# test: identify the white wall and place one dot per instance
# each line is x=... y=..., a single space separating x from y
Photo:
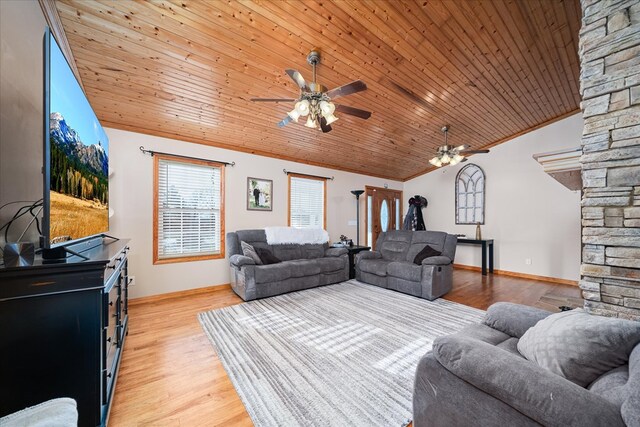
x=22 y=26
x=528 y=213
x=131 y=193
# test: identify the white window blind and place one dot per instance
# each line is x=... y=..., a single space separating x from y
x=306 y=203
x=189 y=215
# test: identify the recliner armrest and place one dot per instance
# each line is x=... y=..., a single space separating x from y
x=240 y=260
x=547 y=398
x=437 y=260
x=368 y=255
x=513 y=319
x=335 y=252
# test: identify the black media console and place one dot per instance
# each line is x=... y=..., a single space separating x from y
x=62 y=330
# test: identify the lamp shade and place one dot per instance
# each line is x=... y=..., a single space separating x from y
x=294 y=114
x=330 y=118
x=327 y=108
x=311 y=122
x=302 y=107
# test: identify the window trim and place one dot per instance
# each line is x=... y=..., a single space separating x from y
x=156 y=163
x=324 y=186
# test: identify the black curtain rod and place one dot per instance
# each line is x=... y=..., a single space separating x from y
x=152 y=153
x=286 y=172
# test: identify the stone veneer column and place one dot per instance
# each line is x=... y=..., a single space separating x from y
x=610 y=88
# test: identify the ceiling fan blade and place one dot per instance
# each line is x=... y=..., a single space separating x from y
x=324 y=126
x=285 y=121
x=348 y=89
x=353 y=111
x=297 y=77
x=412 y=96
x=273 y=99
x=474 y=151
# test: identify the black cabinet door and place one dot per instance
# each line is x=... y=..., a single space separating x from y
x=47 y=344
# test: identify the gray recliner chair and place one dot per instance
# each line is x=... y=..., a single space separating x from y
x=391 y=264
x=478 y=377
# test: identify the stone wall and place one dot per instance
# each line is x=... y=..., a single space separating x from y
x=610 y=88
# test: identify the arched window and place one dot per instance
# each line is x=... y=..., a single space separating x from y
x=470 y=195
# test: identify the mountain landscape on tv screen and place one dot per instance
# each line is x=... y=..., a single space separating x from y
x=79 y=183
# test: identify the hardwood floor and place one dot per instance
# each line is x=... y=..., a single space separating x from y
x=170 y=375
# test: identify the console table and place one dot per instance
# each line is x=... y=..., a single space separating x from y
x=63 y=329
x=353 y=250
x=485 y=244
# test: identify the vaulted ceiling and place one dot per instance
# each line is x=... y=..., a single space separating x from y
x=186 y=69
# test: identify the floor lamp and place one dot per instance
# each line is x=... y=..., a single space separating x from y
x=357 y=193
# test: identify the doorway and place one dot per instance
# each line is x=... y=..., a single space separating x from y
x=383 y=212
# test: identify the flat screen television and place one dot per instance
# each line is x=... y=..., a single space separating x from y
x=76 y=157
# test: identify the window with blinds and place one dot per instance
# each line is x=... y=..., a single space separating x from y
x=188 y=211
x=306 y=202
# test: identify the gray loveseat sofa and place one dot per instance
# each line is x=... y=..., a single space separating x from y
x=391 y=264
x=478 y=377
x=302 y=267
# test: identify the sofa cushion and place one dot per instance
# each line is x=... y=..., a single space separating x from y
x=419 y=239
x=580 y=346
x=405 y=270
x=374 y=266
x=612 y=385
x=287 y=252
x=272 y=273
x=312 y=251
x=267 y=257
x=394 y=245
x=330 y=264
x=250 y=252
x=303 y=267
x=426 y=252
x=510 y=345
x=252 y=236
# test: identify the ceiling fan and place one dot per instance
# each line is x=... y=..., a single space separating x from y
x=315 y=101
x=448 y=154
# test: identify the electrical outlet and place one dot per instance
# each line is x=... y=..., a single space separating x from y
x=527 y=261
x=132 y=280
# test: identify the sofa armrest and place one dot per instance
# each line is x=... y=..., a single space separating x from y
x=240 y=260
x=335 y=252
x=513 y=319
x=437 y=260
x=368 y=255
x=547 y=398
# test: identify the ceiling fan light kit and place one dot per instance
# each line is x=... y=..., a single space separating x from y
x=448 y=155
x=315 y=102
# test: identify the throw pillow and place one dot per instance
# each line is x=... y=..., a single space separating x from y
x=267 y=257
x=248 y=250
x=426 y=252
x=580 y=346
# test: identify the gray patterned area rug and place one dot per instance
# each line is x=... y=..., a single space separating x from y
x=339 y=355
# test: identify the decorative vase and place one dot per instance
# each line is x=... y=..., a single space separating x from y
x=478 y=232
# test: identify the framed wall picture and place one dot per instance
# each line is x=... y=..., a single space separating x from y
x=259 y=194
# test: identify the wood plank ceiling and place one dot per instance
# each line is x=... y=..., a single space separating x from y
x=185 y=69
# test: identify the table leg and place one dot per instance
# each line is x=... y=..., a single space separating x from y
x=491 y=258
x=484 y=258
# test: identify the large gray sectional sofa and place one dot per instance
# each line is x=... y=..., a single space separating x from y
x=478 y=377
x=391 y=264
x=303 y=266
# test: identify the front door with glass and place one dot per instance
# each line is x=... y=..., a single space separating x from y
x=382 y=212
